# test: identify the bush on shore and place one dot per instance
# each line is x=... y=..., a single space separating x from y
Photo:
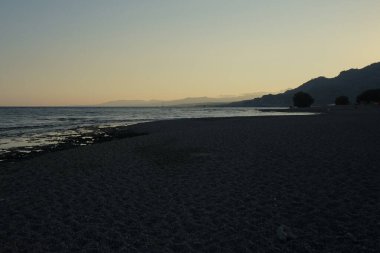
x=302 y=99
x=369 y=97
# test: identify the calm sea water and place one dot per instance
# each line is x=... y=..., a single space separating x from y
x=31 y=127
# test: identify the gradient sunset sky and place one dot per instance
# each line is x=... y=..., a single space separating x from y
x=77 y=52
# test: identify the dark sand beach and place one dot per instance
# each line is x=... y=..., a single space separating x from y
x=254 y=184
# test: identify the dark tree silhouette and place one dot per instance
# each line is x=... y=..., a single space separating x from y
x=369 y=97
x=342 y=100
x=302 y=99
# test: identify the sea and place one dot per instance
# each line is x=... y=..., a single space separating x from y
x=23 y=128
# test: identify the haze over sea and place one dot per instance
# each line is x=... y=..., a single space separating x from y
x=23 y=127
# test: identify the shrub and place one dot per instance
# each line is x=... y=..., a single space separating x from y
x=369 y=96
x=302 y=99
x=342 y=100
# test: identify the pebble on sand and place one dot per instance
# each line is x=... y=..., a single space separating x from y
x=284 y=233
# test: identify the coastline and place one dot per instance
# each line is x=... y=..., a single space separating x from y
x=99 y=135
x=67 y=138
x=281 y=184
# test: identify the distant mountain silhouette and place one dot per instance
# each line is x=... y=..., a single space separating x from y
x=324 y=90
x=191 y=101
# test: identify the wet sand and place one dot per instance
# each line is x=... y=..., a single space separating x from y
x=258 y=184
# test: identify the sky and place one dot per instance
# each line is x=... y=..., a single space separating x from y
x=84 y=52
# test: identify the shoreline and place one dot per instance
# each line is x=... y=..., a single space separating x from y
x=106 y=134
x=99 y=135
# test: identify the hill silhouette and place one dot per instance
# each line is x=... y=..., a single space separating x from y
x=324 y=90
x=190 y=101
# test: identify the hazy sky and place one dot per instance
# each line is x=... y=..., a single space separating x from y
x=57 y=52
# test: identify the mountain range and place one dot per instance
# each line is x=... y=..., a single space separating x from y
x=191 y=101
x=324 y=90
